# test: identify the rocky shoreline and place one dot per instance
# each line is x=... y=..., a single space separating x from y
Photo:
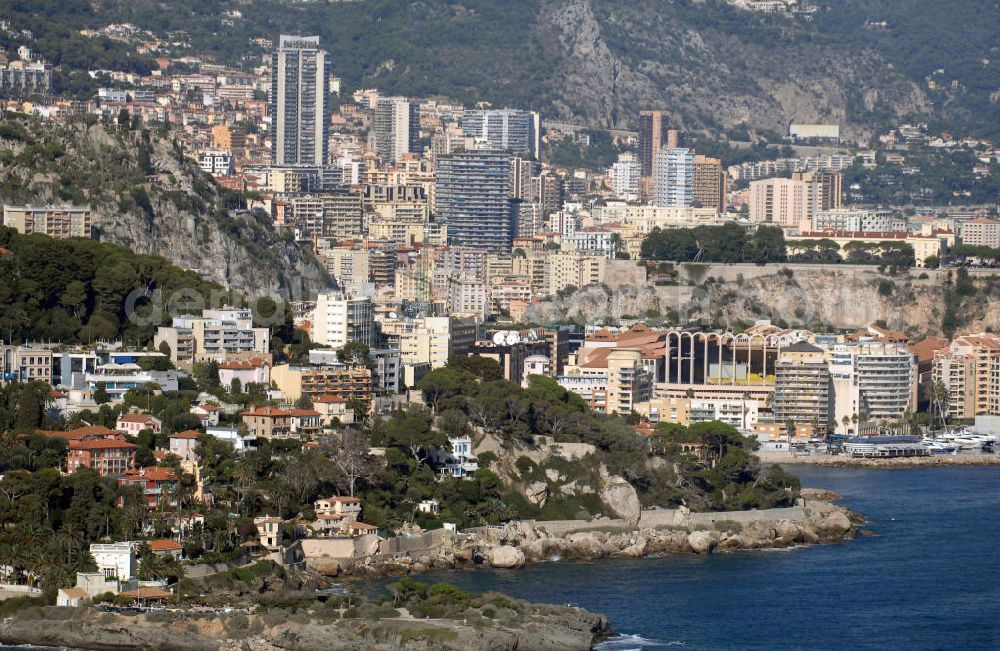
x=530 y=626
x=842 y=461
x=815 y=521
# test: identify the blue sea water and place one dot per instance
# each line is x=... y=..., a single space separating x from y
x=930 y=579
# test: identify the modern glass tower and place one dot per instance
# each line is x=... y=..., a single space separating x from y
x=473 y=197
x=300 y=108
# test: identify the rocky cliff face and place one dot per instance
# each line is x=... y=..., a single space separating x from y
x=146 y=196
x=818 y=297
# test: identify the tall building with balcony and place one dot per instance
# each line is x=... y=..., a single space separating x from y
x=970 y=371
x=981 y=231
x=473 y=197
x=58 y=222
x=300 y=106
x=397 y=128
x=216 y=335
x=802 y=387
x=781 y=202
x=628 y=381
x=673 y=183
x=516 y=131
x=625 y=177
x=873 y=379
x=653 y=130
x=339 y=319
x=711 y=183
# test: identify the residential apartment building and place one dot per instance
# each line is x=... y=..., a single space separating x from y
x=314 y=381
x=516 y=131
x=803 y=387
x=624 y=175
x=781 y=202
x=25 y=363
x=852 y=220
x=216 y=163
x=472 y=195
x=268 y=423
x=430 y=340
x=109 y=457
x=970 y=371
x=57 y=221
x=339 y=319
x=217 y=334
x=826 y=189
x=335 y=215
x=710 y=183
x=981 y=231
x=629 y=382
x=673 y=181
x=653 y=130
x=573 y=269
x=21 y=79
x=397 y=128
x=300 y=106
x=156 y=483
x=872 y=379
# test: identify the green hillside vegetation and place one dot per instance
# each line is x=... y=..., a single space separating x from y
x=78 y=290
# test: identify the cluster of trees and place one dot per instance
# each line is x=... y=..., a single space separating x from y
x=734 y=478
x=78 y=290
x=727 y=243
x=896 y=255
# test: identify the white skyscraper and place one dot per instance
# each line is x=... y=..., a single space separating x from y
x=300 y=108
x=339 y=319
x=625 y=177
x=397 y=128
x=674 y=181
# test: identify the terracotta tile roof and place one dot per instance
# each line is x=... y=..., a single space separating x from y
x=163 y=545
x=269 y=412
x=329 y=399
x=187 y=434
x=361 y=526
x=150 y=473
x=147 y=593
x=76 y=593
x=137 y=418
x=924 y=350
x=89 y=432
x=101 y=444
x=256 y=362
x=301 y=413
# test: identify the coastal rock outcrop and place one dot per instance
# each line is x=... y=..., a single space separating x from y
x=506 y=556
x=703 y=542
x=620 y=496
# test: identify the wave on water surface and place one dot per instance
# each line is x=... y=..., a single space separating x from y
x=626 y=642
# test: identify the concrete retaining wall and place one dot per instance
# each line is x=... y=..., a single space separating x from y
x=406 y=544
x=315 y=548
x=697 y=272
x=19 y=589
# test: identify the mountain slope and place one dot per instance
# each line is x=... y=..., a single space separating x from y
x=144 y=195
x=596 y=61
